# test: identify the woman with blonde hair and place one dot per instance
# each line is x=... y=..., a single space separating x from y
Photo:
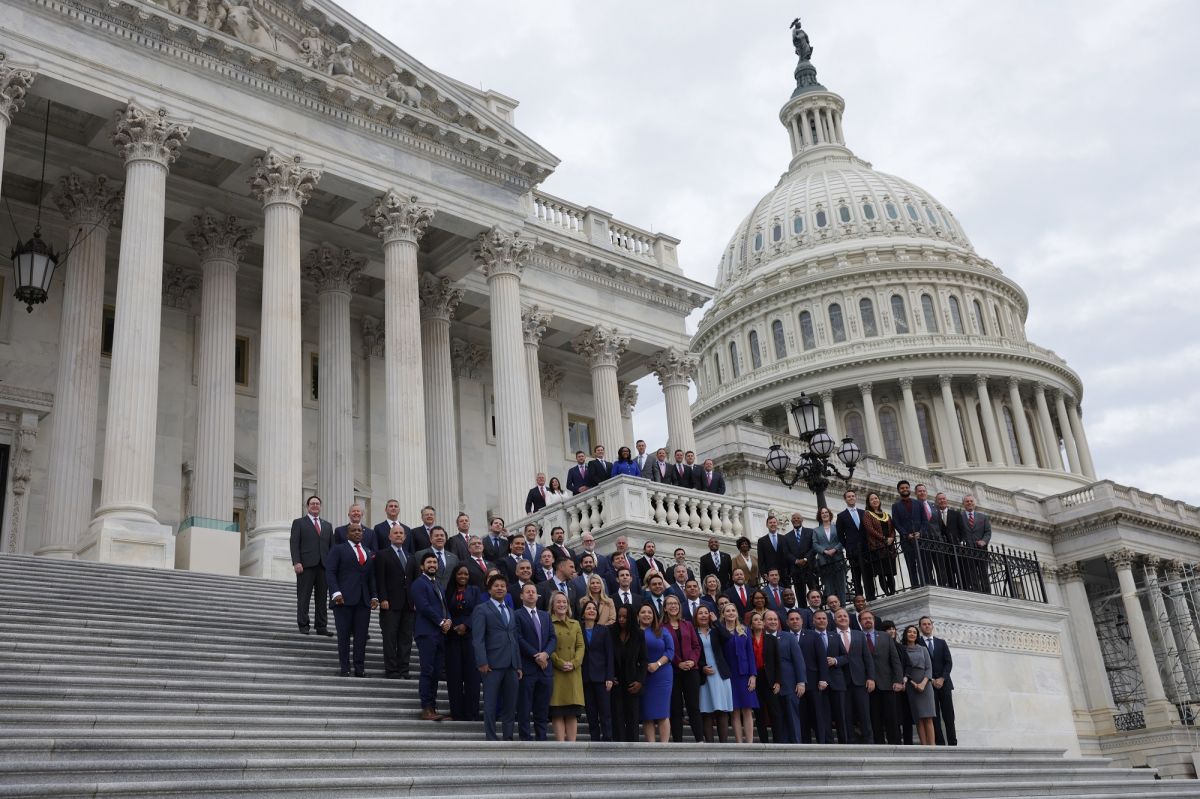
x=606 y=609
x=739 y=654
x=566 y=695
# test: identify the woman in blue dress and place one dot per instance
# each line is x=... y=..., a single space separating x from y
x=625 y=464
x=716 y=693
x=739 y=654
x=656 y=693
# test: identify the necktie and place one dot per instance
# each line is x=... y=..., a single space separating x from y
x=871 y=642
x=479 y=563
x=943 y=516
x=543 y=490
x=537 y=625
x=441 y=562
x=774 y=543
x=854 y=516
x=846 y=640
x=742 y=594
x=625 y=598
x=361 y=557
x=971 y=520
x=929 y=643
x=679 y=468
x=403 y=558
x=317 y=524
x=503 y=613
x=562 y=588
x=708 y=478
x=775 y=593
x=694 y=603
x=925 y=505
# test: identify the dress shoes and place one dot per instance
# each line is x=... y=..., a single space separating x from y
x=343 y=674
x=306 y=631
x=360 y=674
x=326 y=633
x=430 y=714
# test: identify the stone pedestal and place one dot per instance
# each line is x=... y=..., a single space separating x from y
x=208 y=545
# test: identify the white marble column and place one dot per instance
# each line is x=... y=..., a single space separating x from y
x=439 y=301
x=89 y=206
x=988 y=414
x=1081 y=442
x=1024 y=438
x=533 y=325
x=1064 y=426
x=956 y=455
x=1184 y=619
x=283 y=184
x=503 y=257
x=1049 y=440
x=1158 y=711
x=603 y=348
x=628 y=393
x=1100 y=706
x=219 y=242
x=912 y=428
x=14 y=84
x=335 y=274
x=793 y=430
x=831 y=420
x=400 y=222
x=673 y=368
x=871 y=420
x=149 y=143
x=1176 y=685
x=976 y=433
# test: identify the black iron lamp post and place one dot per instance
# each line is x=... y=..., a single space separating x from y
x=813 y=466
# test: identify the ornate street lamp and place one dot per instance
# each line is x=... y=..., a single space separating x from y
x=813 y=466
x=34 y=261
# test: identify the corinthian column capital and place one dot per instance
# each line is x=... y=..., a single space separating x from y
x=90 y=202
x=218 y=238
x=439 y=297
x=629 y=397
x=534 y=323
x=14 y=85
x=395 y=217
x=142 y=135
x=1121 y=558
x=333 y=270
x=674 y=366
x=279 y=178
x=500 y=253
x=601 y=346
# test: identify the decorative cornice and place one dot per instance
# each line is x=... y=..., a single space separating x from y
x=628 y=394
x=333 y=270
x=601 y=346
x=87 y=202
x=552 y=378
x=142 y=135
x=395 y=217
x=372 y=335
x=533 y=324
x=466 y=358
x=218 y=238
x=500 y=253
x=612 y=277
x=996 y=638
x=14 y=85
x=439 y=297
x=674 y=366
x=178 y=286
x=281 y=179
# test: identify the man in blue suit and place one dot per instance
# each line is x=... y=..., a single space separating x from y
x=350 y=572
x=498 y=658
x=537 y=640
x=432 y=624
x=577 y=477
x=851 y=678
x=383 y=530
x=598 y=469
x=793 y=677
x=354 y=516
x=908 y=516
x=815 y=645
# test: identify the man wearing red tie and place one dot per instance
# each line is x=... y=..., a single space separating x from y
x=351 y=573
x=738 y=593
x=310 y=540
x=535 y=500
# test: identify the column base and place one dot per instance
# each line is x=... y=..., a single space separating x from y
x=268 y=555
x=1160 y=713
x=208 y=545
x=56 y=553
x=111 y=539
x=1102 y=720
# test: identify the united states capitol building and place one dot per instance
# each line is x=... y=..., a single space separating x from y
x=296 y=260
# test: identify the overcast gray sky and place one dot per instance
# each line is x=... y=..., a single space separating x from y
x=1063 y=136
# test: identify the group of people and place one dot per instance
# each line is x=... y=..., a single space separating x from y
x=529 y=636
x=586 y=474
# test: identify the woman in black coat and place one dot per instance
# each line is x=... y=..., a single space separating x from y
x=462 y=677
x=599 y=672
x=629 y=668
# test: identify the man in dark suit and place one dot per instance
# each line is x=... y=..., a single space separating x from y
x=600 y=562
x=813 y=608
x=383 y=530
x=432 y=624
x=889 y=681
x=658 y=470
x=851 y=678
x=682 y=474
x=975 y=531
x=495 y=543
x=711 y=480
x=522 y=576
x=421 y=535
x=943 y=686
x=457 y=543
x=767 y=688
x=395 y=608
x=598 y=469
x=561 y=551
x=537 y=641
x=535 y=500
x=692 y=600
x=564 y=572
x=909 y=520
x=678 y=579
x=718 y=563
x=515 y=556
x=577 y=476
x=945 y=526
x=680 y=556
x=656 y=594
x=350 y=571
x=354 y=515
x=627 y=593
x=310 y=540
x=446 y=559
x=793 y=679
x=773 y=549
x=739 y=592
x=498 y=658
x=799 y=539
x=647 y=562
x=815 y=723
x=773 y=589
x=533 y=550
x=854 y=538
x=477 y=565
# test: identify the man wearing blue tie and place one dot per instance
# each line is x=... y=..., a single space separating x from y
x=537 y=641
x=432 y=624
x=849 y=528
x=533 y=550
x=498 y=657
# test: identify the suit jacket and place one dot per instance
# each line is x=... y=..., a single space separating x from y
x=514 y=590
x=548 y=587
x=494 y=552
x=749 y=566
x=534 y=500
x=654 y=602
x=429 y=601
x=643 y=567
x=800 y=542
x=598 y=665
x=494 y=641
x=508 y=566
x=774 y=557
x=533 y=553
x=981 y=530
x=732 y=594
x=666 y=477
x=807 y=613
x=457 y=544
x=577 y=479
x=940 y=658
x=391 y=579
x=418 y=539
x=821 y=542
x=344 y=574
x=908 y=521
x=686 y=643
x=598 y=471
x=815 y=666
x=443 y=574
x=340 y=536
x=714 y=486
x=853 y=536
x=561 y=552
x=636 y=600
x=670 y=575
x=629 y=656
x=792 y=670
x=602 y=564
x=951 y=531
x=723 y=570
x=529 y=642
x=770 y=668
x=309 y=549
x=854 y=665
x=676 y=590
x=683 y=475
x=889 y=669
x=771 y=603
x=478 y=575
x=383 y=531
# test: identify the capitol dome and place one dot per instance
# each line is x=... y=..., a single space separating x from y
x=862 y=289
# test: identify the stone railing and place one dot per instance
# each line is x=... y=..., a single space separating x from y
x=635 y=506
x=557 y=213
x=1107 y=495
x=631 y=239
x=596 y=227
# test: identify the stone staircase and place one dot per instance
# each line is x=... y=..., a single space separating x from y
x=137 y=682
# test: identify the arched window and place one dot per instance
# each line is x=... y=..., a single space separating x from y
x=927 y=310
x=912 y=212
x=889 y=428
x=807 y=339
x=928 y=442
x=837 y=325
x=822 y=220
x=929 y=214
x=899 y=314
x=755 y=352
x=853 y=425
x=892 y=212
x=868 y=211
x=780 y=342
x=733 y=360
x=999 y=324
x=717 y=367
x=979 y=322
x=844 y=213
x=776 y=232
x=798 y=224
x=1011 y=429
x=866 y=310
x=956 y=315
x=758 y=241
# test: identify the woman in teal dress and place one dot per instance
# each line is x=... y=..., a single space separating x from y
x=716 y=692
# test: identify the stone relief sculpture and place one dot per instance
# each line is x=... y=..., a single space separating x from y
x=245 y=23
x=402 y=93
x=313 y=51
x=341 y=64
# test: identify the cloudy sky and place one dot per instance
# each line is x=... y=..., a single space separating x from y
x=1063 y=135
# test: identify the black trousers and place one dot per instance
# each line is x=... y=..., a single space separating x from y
x=352 y=622
x=598 y=704
x=396 y=627
x=626 y=714
x=310 y=580
x=768 y=714
x=858 y=712
x=533 y=704
x=884 y=724
x=944 y=702
x=814 y=715
x=685 y=693
x=462 y=678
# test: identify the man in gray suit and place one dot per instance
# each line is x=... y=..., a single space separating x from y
x=889 y=681
x=447 y=560
x=498 y=658
x=975 y=532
